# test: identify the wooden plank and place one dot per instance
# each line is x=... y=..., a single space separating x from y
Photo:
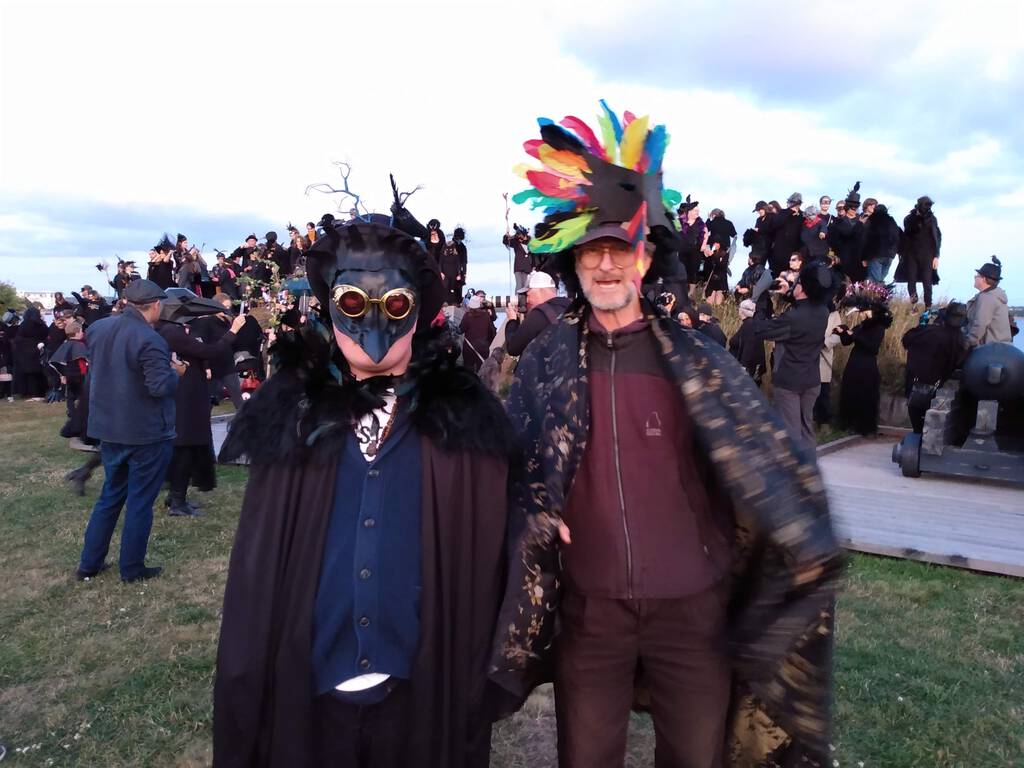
x=962 y=523
x=986 y=566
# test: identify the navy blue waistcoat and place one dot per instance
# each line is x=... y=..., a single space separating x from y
x=366 y=615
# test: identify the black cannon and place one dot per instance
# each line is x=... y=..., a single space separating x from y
x=974 y=426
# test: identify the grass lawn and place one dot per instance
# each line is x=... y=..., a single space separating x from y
x=929 y=663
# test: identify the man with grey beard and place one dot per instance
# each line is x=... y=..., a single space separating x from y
x=647 y=449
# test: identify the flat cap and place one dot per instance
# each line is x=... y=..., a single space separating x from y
x=143 y=292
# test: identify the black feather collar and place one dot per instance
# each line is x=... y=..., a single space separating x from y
x=306 y=409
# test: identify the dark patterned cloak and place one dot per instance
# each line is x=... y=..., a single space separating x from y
x=787 y=559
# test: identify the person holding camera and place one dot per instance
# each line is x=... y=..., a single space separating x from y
x=131 y=412
x=798 y=334
x=543 y=307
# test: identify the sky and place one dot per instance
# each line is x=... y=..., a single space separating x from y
x=119 y=122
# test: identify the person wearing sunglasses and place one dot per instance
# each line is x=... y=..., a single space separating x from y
x=367 y=572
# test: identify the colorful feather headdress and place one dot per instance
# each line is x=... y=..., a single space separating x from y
x=585 y=182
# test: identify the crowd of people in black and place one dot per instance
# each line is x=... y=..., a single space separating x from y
x=810 y=274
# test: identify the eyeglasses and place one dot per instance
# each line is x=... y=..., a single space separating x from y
x=354 y=302
x=591 y=256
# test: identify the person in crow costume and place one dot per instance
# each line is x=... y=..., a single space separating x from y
x=369 y=561
x=678 y=533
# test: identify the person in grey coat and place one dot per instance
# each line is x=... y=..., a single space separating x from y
x=131 y=413
x=988 y=313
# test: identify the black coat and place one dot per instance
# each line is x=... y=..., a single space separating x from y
x=250 y=337
x=25 y=346
x=801 y=331
x=921 y=241
x=478 y=333
x=860 y=391
x=211 y=329
x=522 y=261
x=263 y=698
x=846 y=237
x=713 y=331
x=6 y=335
x=192 y=399
x=784 y=230
x=161 y=273
x=882 y=236
x=933 y=352
x=748 y=350
x=55 y=336
x=923 y=234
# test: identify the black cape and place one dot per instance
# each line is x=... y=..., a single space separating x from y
x=263 y=689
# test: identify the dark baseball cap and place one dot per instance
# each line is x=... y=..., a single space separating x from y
x=143 y=292
x=617 y=231
x=760 y=204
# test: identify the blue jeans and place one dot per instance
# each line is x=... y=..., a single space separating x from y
x=879 y=268
x=134 y=473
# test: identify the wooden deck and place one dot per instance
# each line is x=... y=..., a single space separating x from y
x=967 y=524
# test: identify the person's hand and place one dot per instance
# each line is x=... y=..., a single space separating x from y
x=935 y=263
x=442 y=276
x=512 y=312
x=179 y=367
x=821 y=235
x=237 y=323
x=564 y=533
x=63 y=381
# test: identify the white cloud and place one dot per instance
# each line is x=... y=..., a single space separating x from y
x=233 y=108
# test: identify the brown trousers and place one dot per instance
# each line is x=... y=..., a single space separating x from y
x=677 y=645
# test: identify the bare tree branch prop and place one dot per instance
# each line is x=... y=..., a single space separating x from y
x=345 y=191
x=401 y=197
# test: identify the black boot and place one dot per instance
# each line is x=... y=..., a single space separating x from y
x=80 y=476
x=177 y=506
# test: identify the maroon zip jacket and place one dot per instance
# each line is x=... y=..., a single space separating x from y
x=639 y=510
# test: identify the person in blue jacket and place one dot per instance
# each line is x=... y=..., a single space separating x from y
x=131 y=413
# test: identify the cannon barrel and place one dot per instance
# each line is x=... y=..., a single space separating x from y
x=995 y=372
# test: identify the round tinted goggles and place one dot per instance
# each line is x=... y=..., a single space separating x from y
x=352 y=301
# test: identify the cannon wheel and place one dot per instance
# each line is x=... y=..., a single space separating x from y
x=909 y=452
